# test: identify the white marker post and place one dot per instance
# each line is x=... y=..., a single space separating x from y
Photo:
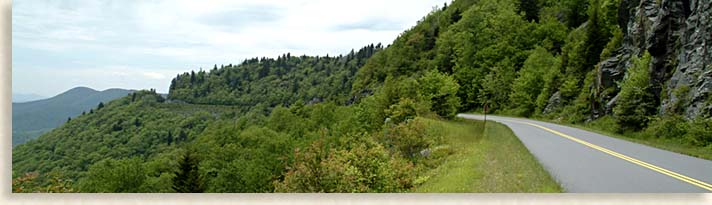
x=484 y=125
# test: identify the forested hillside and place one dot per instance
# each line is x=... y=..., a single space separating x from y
x=579 y=61
x=354 y=123
x=270 y=82
x=31 y=119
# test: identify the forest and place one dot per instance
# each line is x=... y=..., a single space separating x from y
x=356 y=122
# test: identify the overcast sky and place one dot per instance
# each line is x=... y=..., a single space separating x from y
x=58 y=45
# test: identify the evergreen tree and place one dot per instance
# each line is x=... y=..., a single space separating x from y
x=596 y=35
x=575 y=12
x=635 y=101
x=530 y=9
x=187 y=179
x=169 y=139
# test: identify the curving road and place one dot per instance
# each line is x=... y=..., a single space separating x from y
x=583 y=161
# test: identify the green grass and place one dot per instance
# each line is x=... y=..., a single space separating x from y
x=673 y=145
x=606 y=126
x=496 y=162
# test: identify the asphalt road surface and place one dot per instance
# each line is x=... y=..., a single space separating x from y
x=583 y=161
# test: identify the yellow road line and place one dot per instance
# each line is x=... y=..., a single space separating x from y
x=675 y=175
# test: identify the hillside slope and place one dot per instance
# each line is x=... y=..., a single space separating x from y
x=351 y=123
x=31 y=119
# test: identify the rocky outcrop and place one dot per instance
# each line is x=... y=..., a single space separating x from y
x=689 y=90
x=554 y=103
x=676 y=34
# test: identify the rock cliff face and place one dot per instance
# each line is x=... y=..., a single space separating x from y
x=677 y=34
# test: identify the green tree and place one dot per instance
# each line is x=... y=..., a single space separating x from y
x=635 y=100
x=114 y=176
x=528 y=85
x=187 y=178
x=497 y=85
x=575 y=12
x=441 y=90
x=530 y=8
x=597 y=34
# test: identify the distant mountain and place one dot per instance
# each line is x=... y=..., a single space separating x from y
x=24 y=97
x=32 y=119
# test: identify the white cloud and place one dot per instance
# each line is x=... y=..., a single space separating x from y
x=187 y=34
x=154 y=75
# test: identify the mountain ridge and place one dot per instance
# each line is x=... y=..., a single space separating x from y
x=31 y=119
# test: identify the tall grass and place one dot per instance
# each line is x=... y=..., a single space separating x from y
x=493 y=161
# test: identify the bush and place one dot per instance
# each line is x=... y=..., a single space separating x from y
x=666 y=127
x=700 y=132
x=404 y=110
x=363 y=166
x=410 y=137
x=605 y=123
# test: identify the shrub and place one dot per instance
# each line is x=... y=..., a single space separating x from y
x=404 y=110
x=700 y=132
x=410 y=137
x=605 y=123
x=666 y=127
x=363 y=166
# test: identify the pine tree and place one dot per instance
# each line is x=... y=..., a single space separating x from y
x=575 y=12
x=169 y=139
x=187 y=179
x=101 y=105
x=530 y=9
x=182 y=136
x=596 y=35
x=635 y=100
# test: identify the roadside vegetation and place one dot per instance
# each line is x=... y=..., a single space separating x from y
x=373 y=120
x=669 y=133
x=493 y=161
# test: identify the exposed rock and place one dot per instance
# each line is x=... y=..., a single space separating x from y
x=425 y=152
x=676 y=34
x=315 y=100
x=611 y=103
x=554 y=103
x=693 y=72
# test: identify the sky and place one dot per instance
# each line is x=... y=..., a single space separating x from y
x=143 y=44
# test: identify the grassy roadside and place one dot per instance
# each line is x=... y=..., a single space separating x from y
x=672 y=145
x=604 y=128
x=495 y=162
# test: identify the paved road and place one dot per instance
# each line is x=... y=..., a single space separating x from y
x=583 y=161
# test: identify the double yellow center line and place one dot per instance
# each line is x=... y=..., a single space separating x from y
x=675 y=175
